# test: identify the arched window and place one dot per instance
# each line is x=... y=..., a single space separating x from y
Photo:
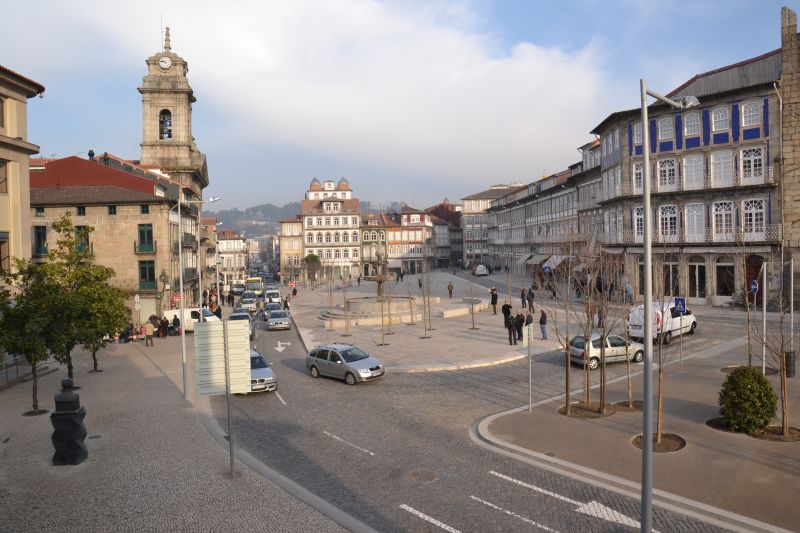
x=345 y=237
x=366 y=235
x=373 y=236
x=726 y=280
x=381 y=236
x=310 y=238
x=327 y=237
x=336 y=237
x=319 y=237
x=165 y=125
x=355 y=236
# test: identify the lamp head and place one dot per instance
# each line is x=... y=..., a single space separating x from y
x=689 y=101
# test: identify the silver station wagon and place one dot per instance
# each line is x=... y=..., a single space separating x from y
x=278 y=320
x=343 y=361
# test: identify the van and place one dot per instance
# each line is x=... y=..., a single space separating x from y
x=192 y=315
x=272 y=296
x=481 y=270
x=255 y=284
x=668 y=322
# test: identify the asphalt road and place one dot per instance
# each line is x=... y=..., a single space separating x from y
x=396 y=453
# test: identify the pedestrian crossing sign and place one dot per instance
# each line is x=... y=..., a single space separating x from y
x=680 y=305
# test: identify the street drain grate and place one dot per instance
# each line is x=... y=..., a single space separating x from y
x=95 y=436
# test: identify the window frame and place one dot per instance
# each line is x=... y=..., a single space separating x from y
x=112 y=210
x=756 y=115
x=693 y=123
x=666 y=134
x=144 y=209
x=3 y=171
x=714 y=127
x=80 y=211
x=637 y=133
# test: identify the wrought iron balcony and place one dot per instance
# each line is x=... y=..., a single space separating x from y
x=740 y=235
x=763 y=176
x=144 y=247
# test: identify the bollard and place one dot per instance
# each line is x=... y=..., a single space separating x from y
x=69 y=433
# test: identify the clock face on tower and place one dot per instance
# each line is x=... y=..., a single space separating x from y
x=164 y=62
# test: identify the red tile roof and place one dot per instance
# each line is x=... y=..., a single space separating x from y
x=34 y=87
x=349 y=207
x=73 y=171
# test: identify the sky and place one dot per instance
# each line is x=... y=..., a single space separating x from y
x=410 y=100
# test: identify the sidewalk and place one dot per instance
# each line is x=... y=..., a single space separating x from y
x=151 y=466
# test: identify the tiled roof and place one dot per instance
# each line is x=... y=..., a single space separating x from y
x=349 y=207
x=90 y=195
x=296 y=218
x=34 y=87
x=315 y=185
x=494 y=192
x=228 y=235
x=343 y=185
x=73 y=171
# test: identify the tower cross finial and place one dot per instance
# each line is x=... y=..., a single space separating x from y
x=167 y=45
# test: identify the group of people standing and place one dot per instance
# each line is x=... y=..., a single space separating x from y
x=515 y=323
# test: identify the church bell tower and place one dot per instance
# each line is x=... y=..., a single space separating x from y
x=167 y=139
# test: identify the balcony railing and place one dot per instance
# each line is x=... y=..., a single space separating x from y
x=189 y=241
x=739 y=179
x=147 y=285
x=189 y=274
x=768 y=233
x=39 y=251
x=144 y=247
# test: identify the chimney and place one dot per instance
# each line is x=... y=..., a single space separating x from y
x=91 y=155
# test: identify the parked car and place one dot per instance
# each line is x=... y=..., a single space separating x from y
x=343 y=361
x=192 y=316
x=668 y=322
x=262 y=378
x=244 y=315
x=616 y=350
x=481 y=270
x=272 y=296
x=249 y=301
x=278 y=320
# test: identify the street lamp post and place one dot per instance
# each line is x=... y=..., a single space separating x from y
x=647 y=422
x=181 y=201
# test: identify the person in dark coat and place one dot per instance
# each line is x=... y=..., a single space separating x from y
x=530 y=298
x=511 y=325
x=176 y=324
x=543 y=324
x=519 y=322
x=493 y=292
x=523 y=296
x=506 y=310
x=529 y=318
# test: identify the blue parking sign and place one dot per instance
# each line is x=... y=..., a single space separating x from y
x=680 y=305
x=754 y=286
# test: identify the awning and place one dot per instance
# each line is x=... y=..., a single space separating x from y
x=554 y=261
x=537 y=259
x=521 y=260
x=395 y=263
x=614 y=251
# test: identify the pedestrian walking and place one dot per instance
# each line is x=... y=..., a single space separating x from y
x=506 y=310
x=217 y=310
x=148 y=333
x=176 y=324
x=359 y=280
x=450 y=290
x=286 y=302
x=294 y=292
x=523 y=295
x=493 y=292
x=164 y=327
x=419 y=282
x=529 y=295
x=543 y=324
x=519 y=322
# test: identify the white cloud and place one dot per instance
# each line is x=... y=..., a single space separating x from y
x=417 y=88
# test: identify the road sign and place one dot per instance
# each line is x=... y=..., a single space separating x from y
x=680 y=305
x=754 y=286
x=291 y=284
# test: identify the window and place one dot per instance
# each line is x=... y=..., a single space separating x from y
x=693 y=172
x=381 y=236
x=414 y=219
x=145 y=243
x=671 y=285
x=615 y=136
x=667 y=179
x=165 y=125
x=355 y=236
x=309 y=221
x=355 y=253
x=638 y=221
x=327 y=221
x=752 y=164
x=723 y=221
x=345 y=237
x=695 y=222
x=751 y=114
x=691 y=124
x=39 y=240
x=3 y=172
x=82 y=235
x=147 y=275
x=726 y=280
x=319 y=222
x=754 y=218
x=335 y=221
x=354 y=221
x=81 y=210
x=665 y=129
x=346 y=253
x=5 y=252
x=310 y=238
x=373 y=236
x=112 y=210
x=327 y=237
x=328 y=253
x=637 y=133
x=366 y=235
x=144 y=209
x=668 y=222
x=40 y=211
x=637 y=177
x=722 y=168
x=336 y=237
x=720 y=119
x=337 y=254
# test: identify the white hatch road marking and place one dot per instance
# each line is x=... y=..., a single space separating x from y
x=515 y=515
x=340 y=439
x=282 y=346
x=429 y=519
x=598 y=510
x=278 y=394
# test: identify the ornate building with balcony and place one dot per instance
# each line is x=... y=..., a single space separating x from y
x=291 y=248
x=715 y=186
x=331 y=228
x=474 y=222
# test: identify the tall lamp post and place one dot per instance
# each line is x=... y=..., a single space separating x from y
x=216 y=263
x=181 y=201
x=647 y=422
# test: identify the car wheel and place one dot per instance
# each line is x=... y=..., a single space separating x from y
x=638 y=357
x=694 y=327
x=667 y=338
x=594 y=362
x=314 y=372
x=350 y=379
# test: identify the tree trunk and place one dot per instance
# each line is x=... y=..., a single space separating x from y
x=784 y=399
x=660 y=409
x=69 y=367
x=35 y=388
x=628 y=368
x=94 y=359
x=603 y=375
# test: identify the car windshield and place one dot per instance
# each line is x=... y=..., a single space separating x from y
x=257 y=361
x=253 y=285
x=278 y=314
x=353 y=354
x=577 y=342
x=273 y=307
x=239 y=317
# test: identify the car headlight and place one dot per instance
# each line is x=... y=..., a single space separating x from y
x=364 y=371
x=271 y=378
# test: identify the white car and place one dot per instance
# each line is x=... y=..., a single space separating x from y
x=667 y=322
x=249 y=301
x=481 y=270
x=616 y=349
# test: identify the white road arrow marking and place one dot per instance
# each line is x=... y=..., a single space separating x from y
x=282 y=346
x=340 y=439
x=427 y=518
x=595 y=509
x=515 y=515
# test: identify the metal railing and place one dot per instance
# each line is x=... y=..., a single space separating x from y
x=766 y=233
x=144 y=247
x=738 y=179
